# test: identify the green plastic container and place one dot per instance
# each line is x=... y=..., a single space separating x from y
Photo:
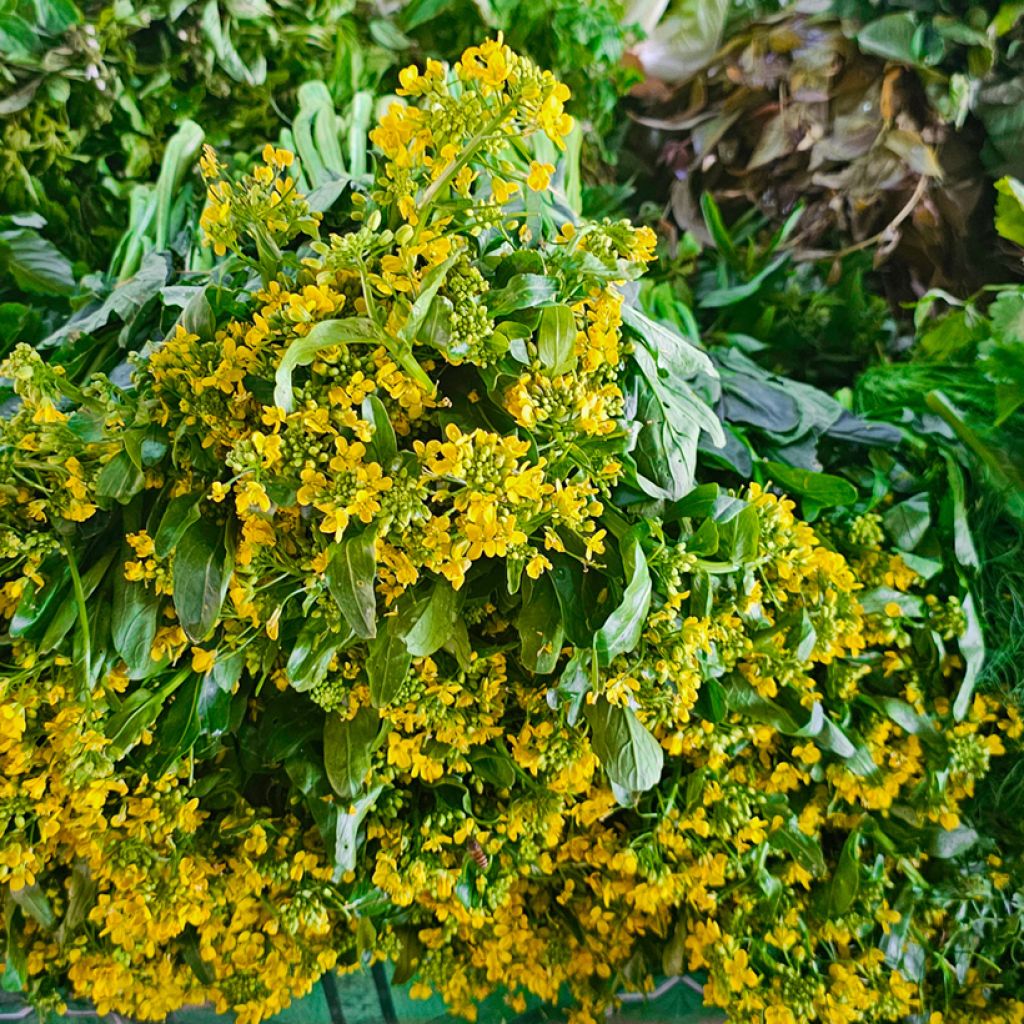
x=368 y=997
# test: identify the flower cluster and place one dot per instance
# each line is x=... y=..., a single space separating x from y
x=356 y=627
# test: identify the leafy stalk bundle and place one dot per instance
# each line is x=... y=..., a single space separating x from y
x=379 y=611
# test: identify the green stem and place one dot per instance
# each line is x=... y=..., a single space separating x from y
x=455 y=166
x=83 y=616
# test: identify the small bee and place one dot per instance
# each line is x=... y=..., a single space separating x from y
x=476 y=851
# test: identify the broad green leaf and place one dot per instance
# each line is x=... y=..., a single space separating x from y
x=198 y=317
x=524 y=291
x=540 y=626
x=1010 y=209
x=311 y=655
x=430 y=625
x=384 y=445
x=120 y=479
x=346 y=837
x=179 y=726
x=34 y=263
x=136 y=714
x=950 y=843
x=875 y=600
x=631 y=757
x=824 y=489
x=908 y=522
x=302 y=351
x=33 y=901
x=673 y=353
x=433 y=280
x=124 y=302
x=572 y=687
x=348 y=744
x=136 y=611
x=181 y=512
x=202 y=571
x=387 y=663
x=350 y=575
x=623 y=628
x=214 y=707
x=843 y=886
x=804 y=849
x=890 y=37
x=556 y=340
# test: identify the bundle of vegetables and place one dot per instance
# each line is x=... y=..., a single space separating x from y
x=797 y=109
x=91 y=94
x=378 y=612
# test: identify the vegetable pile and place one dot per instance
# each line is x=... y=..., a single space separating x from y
x=406 y=554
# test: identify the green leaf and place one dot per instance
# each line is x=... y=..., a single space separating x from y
x=384 y=445
x=311 y=655
x=963 y=542
x=631 y=757
x=66 y=612
x=843 y=886
x=202 y=571
x=716 y=228
x=213 y=707
x=120 y=479
x=136 y=612
x=719 y=297
x=824 y=489
x=972 y=647
x=950 y=843
x=743 y=535
x=556 y=340
x=80 y=902
x=179 y=727
x=350 y=575
x=387 y=663
x=908 y=522
x=673 y=354
x=348 y=744
x=136 y=714
x=1010 y=209
x=181 y=512
x=346 y=837
x=804 y=849
x=435 y=277
x=540 y=626
x=35 y=264
x=302 y=351
x=124 y=302
x=524 y=291
x=429 y=625
x=623 y=628
x=673 y=953
x=890 y=37
x=33 y=901
x=573 y=686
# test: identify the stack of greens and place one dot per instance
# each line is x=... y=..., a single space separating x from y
x=403 y=555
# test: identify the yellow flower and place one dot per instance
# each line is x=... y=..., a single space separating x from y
x=540 y=176
x=202 y=661
x=738 y=971
x=537 y=565
x=502 y=190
